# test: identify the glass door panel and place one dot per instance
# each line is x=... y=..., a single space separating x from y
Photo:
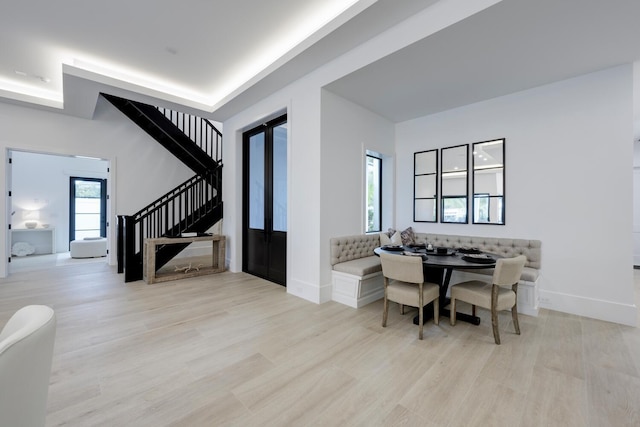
x=256 y=182
x=280 y=178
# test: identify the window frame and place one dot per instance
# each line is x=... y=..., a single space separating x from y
x=418 y=176
x=378 y=206
x=72 y=205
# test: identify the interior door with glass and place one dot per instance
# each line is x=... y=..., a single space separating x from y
x=87 y=208
x=265 y=201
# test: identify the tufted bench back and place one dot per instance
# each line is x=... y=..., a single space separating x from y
x=348 y=248
x=508 y=248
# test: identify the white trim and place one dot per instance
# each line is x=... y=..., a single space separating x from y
x=308 y=291
x=356 y=291
x=609 y=311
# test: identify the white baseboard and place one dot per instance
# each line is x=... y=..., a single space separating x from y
x=325 y=293
x=307 y=291
x=625 y=314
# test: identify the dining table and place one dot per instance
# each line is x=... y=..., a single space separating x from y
x=439 y=264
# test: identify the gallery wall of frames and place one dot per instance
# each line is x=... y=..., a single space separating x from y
x=459 y=183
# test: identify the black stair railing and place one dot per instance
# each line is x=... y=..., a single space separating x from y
x=193 y=206
x=199 y=130
x=193 y=140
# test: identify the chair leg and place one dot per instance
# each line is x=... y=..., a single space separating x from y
x=514 y=316
x=494 y=323
x=385 y=312
x=494 y=314
x=402 y=309
x=436 y=311
x=420 y=309
x=473 y=310
x=385 y=307
x=514 y=310
x=452 y=311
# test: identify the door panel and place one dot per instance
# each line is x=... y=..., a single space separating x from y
x=87 y=208
x=256 y=181
x=265 y=201
x=279 y=205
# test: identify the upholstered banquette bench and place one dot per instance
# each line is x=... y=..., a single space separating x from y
x=356 y=276
x=357 y=273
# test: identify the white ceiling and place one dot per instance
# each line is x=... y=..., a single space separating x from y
x=511 y=46
x=199 y=50
x=219 y=56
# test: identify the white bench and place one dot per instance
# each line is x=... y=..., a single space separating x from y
x=356 y=275
x=89 y=247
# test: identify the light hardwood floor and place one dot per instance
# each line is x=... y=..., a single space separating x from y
x=231 y=349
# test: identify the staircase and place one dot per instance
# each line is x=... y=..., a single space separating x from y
x=193 y=206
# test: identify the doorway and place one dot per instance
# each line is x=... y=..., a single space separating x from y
x=87 y=208
x=38 y=185
x=264 y=250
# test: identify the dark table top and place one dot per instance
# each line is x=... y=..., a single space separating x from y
x=451 y=260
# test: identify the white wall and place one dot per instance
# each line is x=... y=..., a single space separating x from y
x=141 y=169
x=301 y=102
x=569 y=179
x=555 y=190
x=327 y=140
x=636 y=163
x=348 y=130
x=42 y=181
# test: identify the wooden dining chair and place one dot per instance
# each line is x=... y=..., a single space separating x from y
x=501 y=294
x=404 y=283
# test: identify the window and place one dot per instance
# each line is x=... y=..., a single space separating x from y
x=87 y=208
x=373 y=194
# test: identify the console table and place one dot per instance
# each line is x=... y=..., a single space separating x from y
x=150 y=275
x=42 y=239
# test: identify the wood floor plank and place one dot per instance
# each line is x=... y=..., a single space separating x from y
x=561 y=349
x=605 y=347
x=504 y=408
x=234 y=350
x=612 y=395
x=441 y=388
x=555 y=399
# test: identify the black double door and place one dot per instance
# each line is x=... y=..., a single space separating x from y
x=265 y=201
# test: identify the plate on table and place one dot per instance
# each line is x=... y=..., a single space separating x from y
x=469 y=251
x=479 y=258
x=441 y=252
x=421 y=255
x=396 y=248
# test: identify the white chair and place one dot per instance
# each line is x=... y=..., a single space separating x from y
x=408 y=287
x=501 y=294
x=26 y=351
